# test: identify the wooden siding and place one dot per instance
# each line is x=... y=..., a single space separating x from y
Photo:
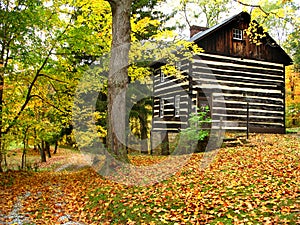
x=259 y=83
x=226 y=84
x=167 y=90
x=221 y=42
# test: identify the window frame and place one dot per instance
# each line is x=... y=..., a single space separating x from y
x=178 y=64
x=237 y=34
x=161 y=108
x=177 y=105
x=162 y=76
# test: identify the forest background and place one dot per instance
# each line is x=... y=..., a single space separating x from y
x=47 y=46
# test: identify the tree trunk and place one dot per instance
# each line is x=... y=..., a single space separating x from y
x=118 y=78
x=55 y=148
x=42 y=153
x=144 y=133
x=23 y=165
x=1 y=108
x=165 y=150
x=47 y=149
x=1 y=158
x=5 y=160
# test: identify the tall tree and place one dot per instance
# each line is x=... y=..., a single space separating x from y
x=118 y=77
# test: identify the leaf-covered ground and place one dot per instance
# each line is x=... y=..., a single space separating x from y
x=257 y=183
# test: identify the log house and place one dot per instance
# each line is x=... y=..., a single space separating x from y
x=242 y=83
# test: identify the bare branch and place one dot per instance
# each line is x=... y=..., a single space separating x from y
x=259 y=7
x=185 y=14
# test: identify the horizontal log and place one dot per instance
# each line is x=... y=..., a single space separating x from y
x=238 y=60
x=203 y=67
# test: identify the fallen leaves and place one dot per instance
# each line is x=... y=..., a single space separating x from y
x=257 y=184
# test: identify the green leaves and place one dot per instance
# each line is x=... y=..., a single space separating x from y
x=195 y=131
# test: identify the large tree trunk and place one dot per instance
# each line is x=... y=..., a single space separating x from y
x=118 y=78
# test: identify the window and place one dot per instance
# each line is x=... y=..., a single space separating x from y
x=162 y=76
x=237 y=34
x=161 y=108
x=177 y=105
x=178 y=65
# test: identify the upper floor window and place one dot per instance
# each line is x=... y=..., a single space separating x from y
x=237 y=34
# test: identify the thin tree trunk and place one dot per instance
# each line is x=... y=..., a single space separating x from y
x=1 y=158
x=118 y=78
x=165 y=150
x=144 y=134
x=23 y=165
x=42 y=153
x=1 y=109
x=43 y=145
x=25 y=146
x=3 y=154
x=55 y=148
x=5 y=160
x=47 y=149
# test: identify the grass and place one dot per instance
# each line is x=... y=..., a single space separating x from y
x=293 y=130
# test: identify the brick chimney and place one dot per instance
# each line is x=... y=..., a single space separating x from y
x=196 y=29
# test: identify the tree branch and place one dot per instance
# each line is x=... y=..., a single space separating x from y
x=28 y=96
x=185 y=14
x=37 y=74
x=52 y=78
x=47 y=102
x=259 y=7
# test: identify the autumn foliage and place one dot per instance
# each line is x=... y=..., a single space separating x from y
x=293 y=96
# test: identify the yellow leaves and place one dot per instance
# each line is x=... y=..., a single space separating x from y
x=171 y=70
x=101 y=132
x=255 y=33
x=140 y=26
x=292 y=80
x=138 y=73
x=164 y=35
x=280 y=13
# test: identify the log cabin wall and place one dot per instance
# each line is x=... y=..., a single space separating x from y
x=167 y=114
x=237 y=82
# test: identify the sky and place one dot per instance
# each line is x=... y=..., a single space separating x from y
x=169 y=6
